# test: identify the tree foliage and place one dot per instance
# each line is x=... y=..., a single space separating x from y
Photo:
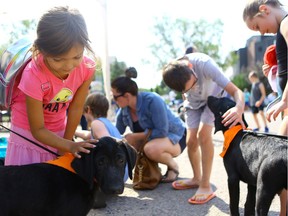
x=173 y=36
x=17 y=30
x=117 y=69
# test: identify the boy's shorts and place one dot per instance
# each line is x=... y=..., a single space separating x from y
x=255 y=109
x=194 y=117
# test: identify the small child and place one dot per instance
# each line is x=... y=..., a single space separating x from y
x=95 y=111
x=258 y=95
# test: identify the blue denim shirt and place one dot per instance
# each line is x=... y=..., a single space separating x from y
x=153 y=113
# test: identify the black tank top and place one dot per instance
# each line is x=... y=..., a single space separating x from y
x=281 y=51
x=137 y=127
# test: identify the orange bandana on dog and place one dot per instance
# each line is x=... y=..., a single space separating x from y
x=64 y=161
x=228 y=137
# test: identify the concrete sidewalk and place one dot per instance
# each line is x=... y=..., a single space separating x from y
x=164 y=200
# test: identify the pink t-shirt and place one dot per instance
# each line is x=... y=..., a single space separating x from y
x=55 y=94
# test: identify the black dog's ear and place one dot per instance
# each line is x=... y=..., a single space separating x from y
x=84 y=166
x=131 y=155
x=218 y=125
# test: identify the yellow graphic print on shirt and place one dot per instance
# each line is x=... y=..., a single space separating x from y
x=63 y=96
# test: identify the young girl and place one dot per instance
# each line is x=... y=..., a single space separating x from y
x=95 y=111
x=269 y=16
x=57 y=78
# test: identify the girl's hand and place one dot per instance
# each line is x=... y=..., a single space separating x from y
x=76 y=147
x=275 y=110
x=232 y=117
x=266 y=69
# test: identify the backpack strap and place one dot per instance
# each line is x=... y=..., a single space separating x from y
x=12 y=62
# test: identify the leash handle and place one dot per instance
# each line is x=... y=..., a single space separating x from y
x=40 y=146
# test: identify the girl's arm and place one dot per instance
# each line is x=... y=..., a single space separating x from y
x=275 y=110
x=83 y=134
x=75 y=109
x=47 y=137
x=284 y=29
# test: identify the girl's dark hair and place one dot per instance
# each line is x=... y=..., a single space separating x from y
x=124 y=84
x=59 y=30
x=98 y=103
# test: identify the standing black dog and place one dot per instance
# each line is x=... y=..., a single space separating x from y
x=260 y=160
x=48 y=190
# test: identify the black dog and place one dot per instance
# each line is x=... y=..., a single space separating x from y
x=260 y=160
x=47 y=189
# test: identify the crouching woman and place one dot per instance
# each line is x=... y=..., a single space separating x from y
x=141 y=111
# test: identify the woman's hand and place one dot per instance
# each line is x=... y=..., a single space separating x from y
x=135 y=139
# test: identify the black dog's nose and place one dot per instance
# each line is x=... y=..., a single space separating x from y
x=115 y=190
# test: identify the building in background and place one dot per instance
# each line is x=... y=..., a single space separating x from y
x=252 y=55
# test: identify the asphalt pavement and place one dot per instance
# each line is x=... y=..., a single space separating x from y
x=164 y=200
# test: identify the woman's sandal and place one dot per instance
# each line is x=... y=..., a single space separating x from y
x=165 y=177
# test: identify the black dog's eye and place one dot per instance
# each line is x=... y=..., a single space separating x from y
x=121 y=161
x=101 y=161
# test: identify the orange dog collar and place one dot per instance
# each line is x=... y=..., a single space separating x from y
x=64 y=162
x=228 y=137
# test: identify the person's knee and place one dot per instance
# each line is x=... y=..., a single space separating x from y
x=152 y=151
x=205 y=139
x=192 y=144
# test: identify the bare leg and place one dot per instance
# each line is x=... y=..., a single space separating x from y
x=207 y=149
x=256 y=120
x=194 y=158
x=163 y=151
x=263 y=117
x=283 y=203
x=194 y=154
